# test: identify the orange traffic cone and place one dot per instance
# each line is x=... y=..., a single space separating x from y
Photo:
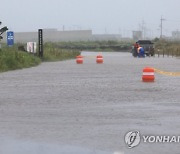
x=79 y=59
x=99 y=59
x=148 y=74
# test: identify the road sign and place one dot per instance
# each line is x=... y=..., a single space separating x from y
x=31 y=47
x=10 y=38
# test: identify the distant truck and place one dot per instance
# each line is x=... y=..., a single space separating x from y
x=148 y=48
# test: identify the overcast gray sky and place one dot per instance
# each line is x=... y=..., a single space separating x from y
x=102 y=16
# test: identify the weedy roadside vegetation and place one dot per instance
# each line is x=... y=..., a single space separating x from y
x=169 y=48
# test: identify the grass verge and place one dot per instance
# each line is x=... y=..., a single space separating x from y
x=55 y=53
x=11 y=59
x=94 y=45
x=164 y=47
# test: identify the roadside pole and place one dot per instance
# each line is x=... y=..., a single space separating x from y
x=40 y=39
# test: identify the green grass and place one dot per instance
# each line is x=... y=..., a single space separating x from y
x=54 y=53
x=11 y=59
x=94 y=45
x=167 y=48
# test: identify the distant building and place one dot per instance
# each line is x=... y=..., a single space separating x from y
x=106 y=37
x=53 y=35
x=137 y=35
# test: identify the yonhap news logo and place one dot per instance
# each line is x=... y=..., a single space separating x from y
x=134 y=138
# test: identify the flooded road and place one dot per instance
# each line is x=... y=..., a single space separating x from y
x=62 y=107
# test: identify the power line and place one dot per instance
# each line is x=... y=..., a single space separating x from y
x=172 y=20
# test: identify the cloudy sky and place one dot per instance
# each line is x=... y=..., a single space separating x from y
x=102 y=16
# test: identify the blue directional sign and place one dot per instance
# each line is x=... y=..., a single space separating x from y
x=10 y=38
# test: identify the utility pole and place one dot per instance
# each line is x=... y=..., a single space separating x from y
x=143 y=29
x=161 y=26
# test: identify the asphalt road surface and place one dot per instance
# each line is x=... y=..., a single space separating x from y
x=65 y=108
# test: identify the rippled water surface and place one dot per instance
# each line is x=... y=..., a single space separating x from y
x=62 y=107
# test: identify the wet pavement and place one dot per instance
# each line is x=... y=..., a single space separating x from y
x=62 y=107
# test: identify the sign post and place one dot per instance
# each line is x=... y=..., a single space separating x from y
x=10 y=38
x=40 y=38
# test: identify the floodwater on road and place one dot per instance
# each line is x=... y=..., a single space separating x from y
x=69 y=108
